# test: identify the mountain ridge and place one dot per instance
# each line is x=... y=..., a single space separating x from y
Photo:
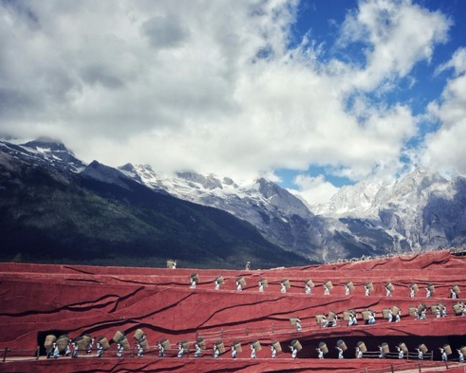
x=411 y=214
x=49 y=213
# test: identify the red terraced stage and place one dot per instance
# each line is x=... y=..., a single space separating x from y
x=39 y=300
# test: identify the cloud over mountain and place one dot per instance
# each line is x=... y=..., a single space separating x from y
x=224 y=87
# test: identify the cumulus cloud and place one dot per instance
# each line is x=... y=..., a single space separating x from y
x=396 y=34
x=444 y=149
x=211 y=86
x=314 y=190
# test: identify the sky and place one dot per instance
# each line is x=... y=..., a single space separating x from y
x=312 y=94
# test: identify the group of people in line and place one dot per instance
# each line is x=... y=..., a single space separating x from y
x=72 y=349
x=308 y=288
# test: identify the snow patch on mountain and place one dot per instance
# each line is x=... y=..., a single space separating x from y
x=54 y=151
x=105 y=174
x=401 y=208
x=366 y=198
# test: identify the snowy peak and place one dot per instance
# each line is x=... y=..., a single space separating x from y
x=45 y=152
x=46 y=143
x=225 y=193
x=199 y=181
x=54 y=151
x=417 y=182
x=105 y=174
x=358 y=198
x=281 y=198
x=366 y=198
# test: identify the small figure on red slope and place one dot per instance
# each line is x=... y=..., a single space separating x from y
x=74 y=347
x=401 y=353
x=428 y=293
x=307 y=289
x=180 y=350
x=161 y=349
x=193 y=283
x=68 y=349
x=298 y=324
x=274 y=351
x=412 y=292
x=253 y=351
x=423 y=314
x=91 y=345
x=197 y=350
x=444 y=354
x=358 y=353
x=282 y=288
x=340 y=352
x=100 y=349
x=381 y=353
x=390 y=315
x=56 y=351
x=294 y=352
x=443 y=310
x=320 y=353
x=216 y=352
x=140 y=350
x=352 y=319
x=120 y=350
x=233 y=352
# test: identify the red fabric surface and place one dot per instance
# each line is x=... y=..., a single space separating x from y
x=37 y=299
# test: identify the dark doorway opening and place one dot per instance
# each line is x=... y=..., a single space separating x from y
x=41 y=338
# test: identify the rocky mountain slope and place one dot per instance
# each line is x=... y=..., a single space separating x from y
x=421 y=210
x=54 y=208
x=279 y=215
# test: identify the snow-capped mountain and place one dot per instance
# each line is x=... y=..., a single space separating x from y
x=46 y=152
x=280 y=216
x=419 y=211
x=211 y=190
x=409 y=209
x=370 y=217
x=351 y=200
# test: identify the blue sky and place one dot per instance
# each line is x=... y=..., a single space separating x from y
x=311 y=94
x=323 y=18
x=425 y=84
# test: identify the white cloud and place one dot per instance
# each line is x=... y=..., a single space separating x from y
x=314 y=190
x=397 y=35
x=444 y=150
x=212 y=88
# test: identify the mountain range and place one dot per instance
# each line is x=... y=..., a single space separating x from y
x=420 y=211
x=56 y=209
